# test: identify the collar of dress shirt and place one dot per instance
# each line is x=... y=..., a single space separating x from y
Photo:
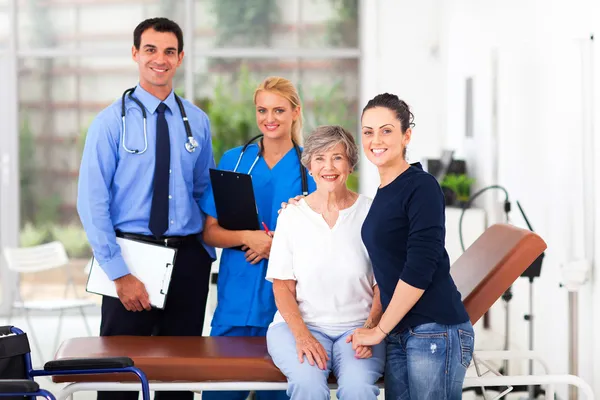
x=151 y=102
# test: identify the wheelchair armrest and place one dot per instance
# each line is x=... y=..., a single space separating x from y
x=5 y=330
x=18 y=386
x=70 y=364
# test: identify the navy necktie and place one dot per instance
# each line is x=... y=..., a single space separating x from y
x=159 y=214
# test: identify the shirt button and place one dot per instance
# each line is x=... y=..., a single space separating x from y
x=172 y=222
x=170 y=197
x=169 y=171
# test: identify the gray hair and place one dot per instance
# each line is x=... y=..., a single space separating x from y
x=327 y=137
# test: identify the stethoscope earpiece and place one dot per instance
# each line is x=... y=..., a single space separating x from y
x=190 y=145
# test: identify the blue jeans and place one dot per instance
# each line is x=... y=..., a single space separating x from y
x=428 y=362
x=219 y=330
x=356 y=377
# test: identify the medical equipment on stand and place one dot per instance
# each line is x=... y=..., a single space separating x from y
x=533 y=271
x=190 y=145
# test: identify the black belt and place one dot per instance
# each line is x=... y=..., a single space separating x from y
x=168 y=241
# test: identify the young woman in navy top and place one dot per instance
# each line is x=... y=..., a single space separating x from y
x=426 y=328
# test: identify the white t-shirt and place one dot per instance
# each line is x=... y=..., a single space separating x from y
x=331 y=267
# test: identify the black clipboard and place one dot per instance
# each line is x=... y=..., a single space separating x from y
x=234 y=200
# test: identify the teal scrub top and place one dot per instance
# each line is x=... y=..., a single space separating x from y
x=245 y=297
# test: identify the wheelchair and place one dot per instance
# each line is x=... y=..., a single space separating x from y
x=17 y=373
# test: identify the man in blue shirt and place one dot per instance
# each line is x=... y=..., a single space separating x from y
x=142 y=178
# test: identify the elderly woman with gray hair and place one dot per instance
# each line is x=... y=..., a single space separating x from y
x=323 y=280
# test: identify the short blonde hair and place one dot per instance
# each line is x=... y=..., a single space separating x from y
x=287 y=90
x=325 y=138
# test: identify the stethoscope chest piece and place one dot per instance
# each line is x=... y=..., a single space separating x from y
x=191 y=145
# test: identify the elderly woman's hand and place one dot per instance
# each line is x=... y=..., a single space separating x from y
x=294 y=201
x=315 y=352
x=363 y=352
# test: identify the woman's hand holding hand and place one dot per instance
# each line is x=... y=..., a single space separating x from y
x=365 y=337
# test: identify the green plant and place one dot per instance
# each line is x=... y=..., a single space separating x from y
x=27 y=158
x=48 y=210
x=80 y=140
x=244 y=23
x=353 y=181
x=231 y=112
x=460 y=184
x=74 y=239
x=35 y=209
x=31 y=235
x=329 y=107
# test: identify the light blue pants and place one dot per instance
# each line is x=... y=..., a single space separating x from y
x=356 y=377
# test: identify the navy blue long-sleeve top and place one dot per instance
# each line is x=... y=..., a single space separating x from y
x=404 y=234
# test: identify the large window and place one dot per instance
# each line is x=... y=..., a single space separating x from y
x=58 y=98
x=104 y=24
x=217 y=23
x=281 y=24
x=4 y=25
x=74 y=60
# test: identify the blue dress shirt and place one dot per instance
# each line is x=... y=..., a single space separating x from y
x=115 y=186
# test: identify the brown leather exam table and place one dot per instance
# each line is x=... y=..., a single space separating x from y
x=485 y=271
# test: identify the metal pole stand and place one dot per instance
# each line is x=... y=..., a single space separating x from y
x=574 y=275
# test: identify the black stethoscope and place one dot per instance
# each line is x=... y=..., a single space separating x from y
x=191 y=145
x=260 y=149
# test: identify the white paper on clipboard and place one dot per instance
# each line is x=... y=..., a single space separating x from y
x=150 y=263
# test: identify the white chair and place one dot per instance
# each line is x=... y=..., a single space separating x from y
x=43 y=258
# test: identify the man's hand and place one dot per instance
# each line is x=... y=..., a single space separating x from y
x=294 y=201
x=132 y=293
x=257 y=246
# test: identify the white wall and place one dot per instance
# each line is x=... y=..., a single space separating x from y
x=539 y=145
x=402 y=54
x=529 y=124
